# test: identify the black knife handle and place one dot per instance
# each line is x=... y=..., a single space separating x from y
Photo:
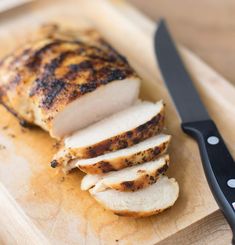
x=218 y=165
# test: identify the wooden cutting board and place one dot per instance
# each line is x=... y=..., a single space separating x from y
x=39 y=205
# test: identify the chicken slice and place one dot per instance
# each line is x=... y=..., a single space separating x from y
x=89 y=181
x=128 y=179
x=144 y=151
x=118 y=131
x=65 y=81
x=145 y=202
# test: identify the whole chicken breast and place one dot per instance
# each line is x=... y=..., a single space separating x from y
x=64 y=80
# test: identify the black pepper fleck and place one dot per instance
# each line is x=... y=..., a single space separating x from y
x=54 y=164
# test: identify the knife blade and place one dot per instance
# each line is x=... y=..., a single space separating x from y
x=171 y=66
x=218 y=164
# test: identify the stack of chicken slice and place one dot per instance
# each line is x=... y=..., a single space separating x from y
x=74 y=83
x=125 y=159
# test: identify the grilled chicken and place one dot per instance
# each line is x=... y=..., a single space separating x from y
x=128 y=179
x=145 y=202
x=64 y=80
x=145 y=151
x=118 y=131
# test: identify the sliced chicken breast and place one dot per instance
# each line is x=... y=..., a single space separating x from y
x=144 y=151
x=145 y=202
x=64 y=80
x=129 y=179
x=118 y=131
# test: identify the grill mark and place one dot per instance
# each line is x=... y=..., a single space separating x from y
x=48 y=82
x=106 y=167
x=154 y=120
x=52 y=86
x=75 y=69
x=128 y=185
x=86 y=64
x=50 y=68
x=157 y=150
x=111 y=58
x=163 y=169
x=36 y=58
x=112 y=74
x=56 y=86
x=99 y=148
x=101 y=77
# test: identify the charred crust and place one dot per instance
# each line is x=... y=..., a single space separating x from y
x=163 y=169
x=107 y=75
x=56 y=86
x=144 y=159
x=106 y=167
x=53 y=87
x=124 y=140
x=129 y=134
x=157 y=150
x=100 y=148
x=101 y=77
x=128 y=185
x=87 y=88
x=86 y=64
x=36 y=58
x=154 y=120
x=128 y=163
x=91 y=152
x=136 y=141
x=73 y=95
x=47 y=82
x=100 y=64
x=123 y=144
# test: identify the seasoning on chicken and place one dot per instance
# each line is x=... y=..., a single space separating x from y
x=119 y=131
x=128 y=179
x=145 y=202
x=144 y=151
x=64 y=80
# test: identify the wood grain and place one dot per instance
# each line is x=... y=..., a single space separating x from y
x=54 y=203
x=206 y=27
x=17 y=228
x=211 y=230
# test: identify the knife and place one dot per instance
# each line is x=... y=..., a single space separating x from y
x=218 y=164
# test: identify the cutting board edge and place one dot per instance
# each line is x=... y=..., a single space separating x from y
x=21 y=228
x=16 y=223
